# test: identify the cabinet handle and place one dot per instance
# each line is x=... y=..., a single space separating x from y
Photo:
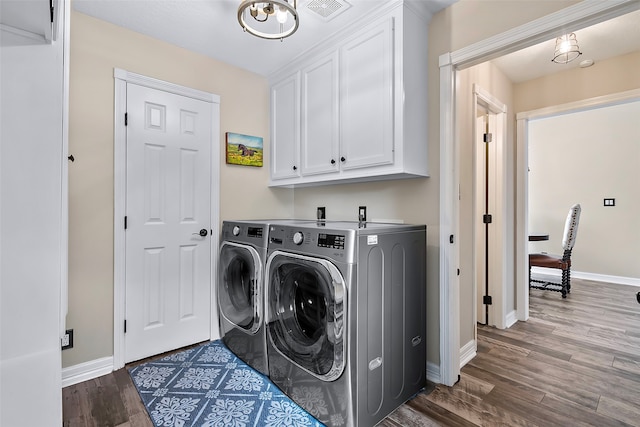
x=333 y=162
x=342 y=159
x=295 y=168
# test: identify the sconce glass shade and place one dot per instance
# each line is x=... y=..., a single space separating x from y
x=275 y=19
x=567 y=49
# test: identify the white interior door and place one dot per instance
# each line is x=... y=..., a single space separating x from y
x=168 y=204
x=491 y=190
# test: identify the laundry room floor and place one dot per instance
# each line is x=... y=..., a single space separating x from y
x=574 y=362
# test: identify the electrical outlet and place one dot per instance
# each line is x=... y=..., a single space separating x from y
x=67 y=339
x=362 y=213
x=609 y=202
x=321 y=212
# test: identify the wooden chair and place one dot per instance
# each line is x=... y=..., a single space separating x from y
x=556 y=261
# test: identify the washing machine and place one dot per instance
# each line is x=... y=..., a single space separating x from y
x=346 y=321
x=240 y=290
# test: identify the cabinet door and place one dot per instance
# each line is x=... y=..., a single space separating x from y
x=366 y=108
x=285 y=128
x=319 y=140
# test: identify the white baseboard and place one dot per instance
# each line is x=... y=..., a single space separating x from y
x=619 y=280
x=86 y=371
x=512 y=318
x=433 y=373
x=468 y=352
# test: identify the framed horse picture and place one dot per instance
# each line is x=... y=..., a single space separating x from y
x=243 y=150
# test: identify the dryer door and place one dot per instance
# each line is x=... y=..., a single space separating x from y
x=239 y=293
x=306 y=299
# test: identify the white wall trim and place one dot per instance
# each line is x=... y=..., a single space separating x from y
x=152 y=83
x=521 y=245
x=433 y=373
x=86 y=371
x=512 y=318
x=580 y=15
x=121 y=78
x=64 y=216
x=583 y=105
x=468 y=352
x=449 y=227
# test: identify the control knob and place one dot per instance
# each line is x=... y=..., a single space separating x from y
x=298 y=238
x=236 y=231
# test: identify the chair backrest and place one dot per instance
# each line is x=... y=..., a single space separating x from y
x=571 y=227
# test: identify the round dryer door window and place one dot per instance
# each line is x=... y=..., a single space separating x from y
x=306 y=300
x=239 y=296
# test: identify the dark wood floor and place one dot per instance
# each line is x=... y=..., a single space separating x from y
x=575 y=362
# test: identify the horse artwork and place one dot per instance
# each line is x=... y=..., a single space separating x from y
x=243 y=150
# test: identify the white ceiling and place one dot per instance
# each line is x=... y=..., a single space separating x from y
x=210 y=27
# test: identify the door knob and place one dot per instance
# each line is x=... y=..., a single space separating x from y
x=202 y=232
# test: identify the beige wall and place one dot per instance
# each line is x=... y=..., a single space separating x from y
x=614 y=75
x=470 y=21
x=583 y=158
x=96 y=49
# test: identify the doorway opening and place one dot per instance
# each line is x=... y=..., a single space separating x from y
x=573 y=17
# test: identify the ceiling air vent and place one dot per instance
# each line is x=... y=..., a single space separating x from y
x=328 y=9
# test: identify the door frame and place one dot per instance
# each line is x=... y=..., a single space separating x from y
x=122 y=77
x=572 y=18
x=499 y=204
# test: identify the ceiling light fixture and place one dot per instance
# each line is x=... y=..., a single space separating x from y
x=566 y=49
x=254 y=16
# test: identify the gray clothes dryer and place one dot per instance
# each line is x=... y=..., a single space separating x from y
x=346 y=319
x=240 y=290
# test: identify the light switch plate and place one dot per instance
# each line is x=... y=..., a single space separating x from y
x=609 y=202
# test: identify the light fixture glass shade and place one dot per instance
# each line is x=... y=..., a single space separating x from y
x=567 y=49
x=275 y=19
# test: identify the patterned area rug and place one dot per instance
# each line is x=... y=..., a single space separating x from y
x=209 y=386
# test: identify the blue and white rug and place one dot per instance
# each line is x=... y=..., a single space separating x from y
x=209 y=386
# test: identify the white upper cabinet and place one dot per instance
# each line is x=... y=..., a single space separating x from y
x=319 y=139
x=366 y=107
x=361 y=111
x=285 y=127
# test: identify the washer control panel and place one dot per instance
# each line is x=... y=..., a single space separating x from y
x=298 y=238
x=333 y=241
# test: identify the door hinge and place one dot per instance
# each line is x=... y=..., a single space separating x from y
x=125 y=222
x=487 y=137
x=451 y=238
x=125 y=326
x=126 y=119
x=486 y=218
x=51 y=9
x=486 y=300
x=458 y=272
